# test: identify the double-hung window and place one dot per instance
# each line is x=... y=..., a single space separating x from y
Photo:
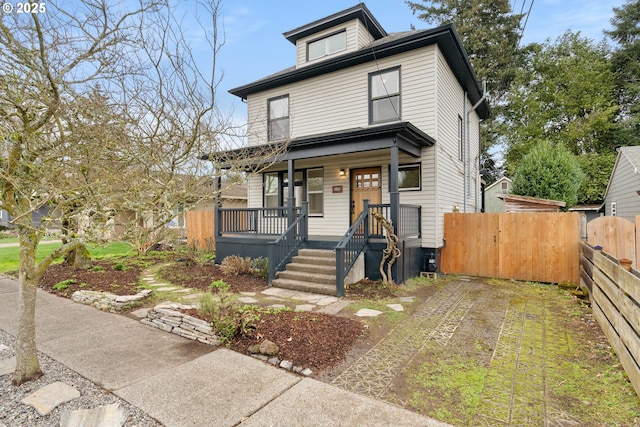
x=327 y=46
x=384 y=96
x=308 y=185
x=278 y=120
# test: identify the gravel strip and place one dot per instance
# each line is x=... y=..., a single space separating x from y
x=13 y=413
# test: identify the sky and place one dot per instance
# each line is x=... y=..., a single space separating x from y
x=255 y=46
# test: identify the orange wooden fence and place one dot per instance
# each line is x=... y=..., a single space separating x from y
x=538 y=246
x=200 y=229
x=616 y=236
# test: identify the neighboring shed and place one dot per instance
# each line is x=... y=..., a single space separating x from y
x=491 y=201
x=514 y=203
x=622 y=195
x=587 y=213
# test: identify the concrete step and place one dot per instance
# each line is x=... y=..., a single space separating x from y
x=300 y=259
x=304 y=276
x=297 y=285
x=312 y=268
x=317 y=253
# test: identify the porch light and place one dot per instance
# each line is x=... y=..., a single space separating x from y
x=342 y=173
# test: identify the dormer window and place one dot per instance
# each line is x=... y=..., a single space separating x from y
x=327 y=45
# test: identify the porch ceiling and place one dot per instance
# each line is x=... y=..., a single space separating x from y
x=407 y=137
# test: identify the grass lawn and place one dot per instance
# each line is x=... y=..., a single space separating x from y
x=9 y=257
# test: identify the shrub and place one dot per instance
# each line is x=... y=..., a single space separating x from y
x=260 y=267
x=226 y=315
x=236 y=265
x=119 y=267
x=220 y=285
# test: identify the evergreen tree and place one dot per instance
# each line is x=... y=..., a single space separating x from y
x=625 y=63
x=548 y=171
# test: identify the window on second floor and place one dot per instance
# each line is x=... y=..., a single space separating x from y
x=278 y=120
x=326 y=46
x=384 y=96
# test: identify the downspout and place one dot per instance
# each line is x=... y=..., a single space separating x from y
x=465 y=125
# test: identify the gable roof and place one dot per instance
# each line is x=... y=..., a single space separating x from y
x=630 y=154
x=445 y=36
x=504 y=178
x=359 y=11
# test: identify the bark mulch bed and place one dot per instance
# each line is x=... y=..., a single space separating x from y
x=314 y=340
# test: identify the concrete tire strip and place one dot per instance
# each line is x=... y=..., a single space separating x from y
x=435 y=320
x=516 y=388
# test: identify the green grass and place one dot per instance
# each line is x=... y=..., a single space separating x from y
x=9 y=257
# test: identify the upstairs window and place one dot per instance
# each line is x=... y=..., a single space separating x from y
x=278 y=121
x=384 y=96
x=326 y=46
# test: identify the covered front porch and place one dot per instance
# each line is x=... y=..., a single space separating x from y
x=341 y=218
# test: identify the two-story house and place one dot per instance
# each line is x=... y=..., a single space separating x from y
x=372 y=122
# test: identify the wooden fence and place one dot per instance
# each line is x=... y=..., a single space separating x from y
x=615 y=300
x=538 y=246
x=200 y=229
x=616 y=236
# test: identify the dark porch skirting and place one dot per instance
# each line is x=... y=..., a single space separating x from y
x=413 y=260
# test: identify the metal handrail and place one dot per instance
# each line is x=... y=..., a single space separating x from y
x=282 y=249
x=350 y=247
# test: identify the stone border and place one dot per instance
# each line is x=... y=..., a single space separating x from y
x=106 y=301
x=167 y=318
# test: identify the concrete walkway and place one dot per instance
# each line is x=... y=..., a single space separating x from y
x=184 y=383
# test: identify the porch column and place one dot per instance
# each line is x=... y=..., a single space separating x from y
x=394 y=198
x=291 y=185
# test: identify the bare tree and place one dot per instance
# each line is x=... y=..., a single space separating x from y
x=103 y=109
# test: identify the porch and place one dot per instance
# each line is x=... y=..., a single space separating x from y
x=278 y=234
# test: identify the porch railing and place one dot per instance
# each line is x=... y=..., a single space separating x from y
x=263 y=221
x=409 y=221
x=287 y=244
x=351 y=246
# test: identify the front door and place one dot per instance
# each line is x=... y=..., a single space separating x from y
x=365 y=184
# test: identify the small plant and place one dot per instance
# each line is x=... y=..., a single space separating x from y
x=260 y=267
x=83 y=285
x=118 y=267
x=64 y=284
x=96 y=268
x=226 y=316
x=220 y=285
x=236 y=265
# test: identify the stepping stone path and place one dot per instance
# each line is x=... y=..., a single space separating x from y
x=109 y=415
x=51 y=396
x=368 y=312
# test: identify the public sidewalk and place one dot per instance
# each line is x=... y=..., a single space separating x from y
x=184 y=383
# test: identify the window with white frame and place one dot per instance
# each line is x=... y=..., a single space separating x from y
x=315 y=191
x=276 y=188
x=326 y=46
x=384 y=96
x=278 y=120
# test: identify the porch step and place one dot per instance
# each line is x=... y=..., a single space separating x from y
x=297 y=285
x=312 y=270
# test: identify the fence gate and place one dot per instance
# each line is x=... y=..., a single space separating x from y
x=536 y=246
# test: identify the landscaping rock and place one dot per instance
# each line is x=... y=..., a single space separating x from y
x=396 y=307
x=269 y=348
x=50 y=396
x=7 y=366
x=109 y=415
x=368 y=312
x=254 y=349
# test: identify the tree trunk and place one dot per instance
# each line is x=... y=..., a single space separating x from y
x=27 y=365
x=81 y=258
